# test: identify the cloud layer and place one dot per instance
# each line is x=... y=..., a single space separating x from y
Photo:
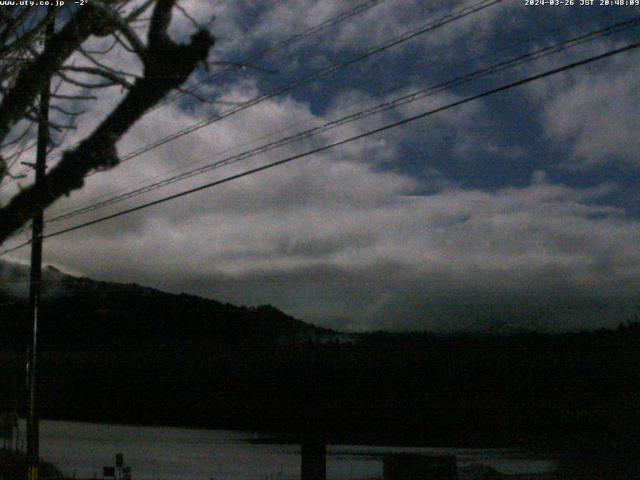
x=484 y=215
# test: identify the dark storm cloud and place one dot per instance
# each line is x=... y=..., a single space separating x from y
x=538 y=257
x=387 y=296
x=481 y=216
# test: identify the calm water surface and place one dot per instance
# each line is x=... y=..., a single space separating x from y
x=82 y=449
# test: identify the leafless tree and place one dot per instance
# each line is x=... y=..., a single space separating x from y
x=27 y=64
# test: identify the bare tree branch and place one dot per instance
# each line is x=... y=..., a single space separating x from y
x=139 y=11
x=31 y=78
x=166 y=66
x=121 y=25
x=81 y=84
x=68 y=113
x=102 y=52
x=113 y=77
x=73 y=97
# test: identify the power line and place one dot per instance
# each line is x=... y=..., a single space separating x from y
x=508 y=64
x=462 y=13
x=447 y=19
x=358 y=9
x=389 y=126
x=402 y=100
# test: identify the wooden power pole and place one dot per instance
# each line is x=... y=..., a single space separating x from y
x=35 y=280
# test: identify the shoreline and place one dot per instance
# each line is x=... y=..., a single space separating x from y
x=564 y=465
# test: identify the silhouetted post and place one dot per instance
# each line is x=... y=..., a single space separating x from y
x=35 y=280
x=314 y=459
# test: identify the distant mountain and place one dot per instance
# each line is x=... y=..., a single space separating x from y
x=113 y=352
x=79 y=312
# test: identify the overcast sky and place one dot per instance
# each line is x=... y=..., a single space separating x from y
x=519 y=209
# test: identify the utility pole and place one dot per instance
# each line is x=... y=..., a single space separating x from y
x=35 y=280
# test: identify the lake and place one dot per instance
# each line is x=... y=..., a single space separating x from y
x=82 y=449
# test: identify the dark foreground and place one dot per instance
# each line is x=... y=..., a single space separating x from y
x=126 y=354
x=13 y=466
x=557 y=393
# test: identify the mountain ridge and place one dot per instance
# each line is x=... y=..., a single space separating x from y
x=77 y=306
x=125 y=353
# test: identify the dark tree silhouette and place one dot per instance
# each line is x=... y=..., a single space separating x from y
x=26 y=66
